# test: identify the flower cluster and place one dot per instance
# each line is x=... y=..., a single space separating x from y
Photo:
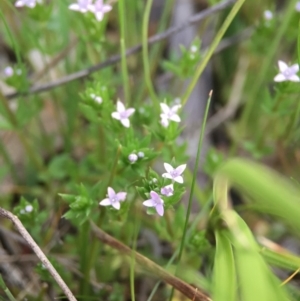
x=175 y=174
x=155 y=201
x=99 y=9
x=134 y=157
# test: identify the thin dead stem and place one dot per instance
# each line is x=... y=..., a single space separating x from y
x=36 y=249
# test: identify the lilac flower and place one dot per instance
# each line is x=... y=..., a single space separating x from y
x=82 y=5
x=97 y=99
x=174 y=174
x=132 y=158
x=113 y=199
x=99 y=9
x=169 y=114
x=167 y=190
x=287 y=73
x=268 y=15
x=156 y=202
x=28 y=3
x=122 y=114
x=297 y=7
x=8 y=71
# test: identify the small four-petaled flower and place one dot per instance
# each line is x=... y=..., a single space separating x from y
x=167 y=190
x=28 y=3
x=99 y=9
x=123 y=114
x=174 y=173
x=287 y=73
x=113 y=199
x=169 y=114
x=155 y=201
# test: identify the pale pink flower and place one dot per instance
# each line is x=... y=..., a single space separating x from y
x=8 y=71
x=123 y=114
x=169 y=113
x=155 y=201
x=287 y=73
x=174 y=173
x=113 y=199
x=167 y=190
x=99 y=9
x=297 y=6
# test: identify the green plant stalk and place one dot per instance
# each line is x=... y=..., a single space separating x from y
x=145 y=55
x=288 y=133
x=125 y=77
x=211 y=50
x=6 y=290
x=200 y=142
x=253 y=100
x=156 y=49
x=94 y=249
x=132 y=260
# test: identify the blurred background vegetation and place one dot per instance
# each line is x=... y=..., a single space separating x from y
x=234 y=233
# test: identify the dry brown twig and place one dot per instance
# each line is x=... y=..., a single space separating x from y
x=39 y=253
x=192 y=293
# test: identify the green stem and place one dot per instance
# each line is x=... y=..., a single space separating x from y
x=145 y=54
x=211 y=50
x=125 y=77
x=202 y=132
x=94 y=249
x=6 y=290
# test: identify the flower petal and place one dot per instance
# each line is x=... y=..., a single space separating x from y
x=154 y=196
x=294 y=78
x=125 y=122
x=180 y=169
x=111 y=193
x=99 y=15
x=175 y=108
x=74 y=6
x=167 y=175
x=105 y=202
x=116 y=115
x=160 y=209
x=121 y=196
x=129 y=112
x=165 y=108
x=294 y=68
x=175 y=118
x=120 y=106
x=279 y=78
x=168 y=167
x=116 y=205
x=149 y=203
x=282 y=66
x=179 y=179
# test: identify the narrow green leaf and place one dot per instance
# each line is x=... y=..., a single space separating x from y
x=225 y=286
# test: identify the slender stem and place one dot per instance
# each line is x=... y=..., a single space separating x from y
x=200 y=142
x=147 y=70
x=212 y=49
x=6 y=290
x=36 y=249
x=125 y=77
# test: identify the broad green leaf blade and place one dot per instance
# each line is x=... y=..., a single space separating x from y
x=271 y=192
x=225 y=286
x=255 y=279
